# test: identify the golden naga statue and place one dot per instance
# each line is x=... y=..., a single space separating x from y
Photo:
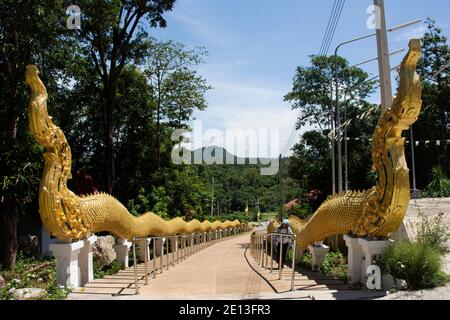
x=379 y=211
x=68 y=216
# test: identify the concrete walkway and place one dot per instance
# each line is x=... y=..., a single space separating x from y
x=224 y=270
x=219 y=271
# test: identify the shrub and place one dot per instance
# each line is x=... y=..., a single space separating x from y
x=439 y=185
x=306 y=260
x=334 y=265
x=288 y=256
x=300 y=210
x=418 y=263
x=101 y=271
x=433 y=231
x=241 y=216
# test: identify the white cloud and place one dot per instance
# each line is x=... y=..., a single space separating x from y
x=208 y=33
x=239 y=105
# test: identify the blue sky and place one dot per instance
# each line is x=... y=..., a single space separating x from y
x=255 y=45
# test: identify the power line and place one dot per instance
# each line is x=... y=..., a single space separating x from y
x=333 y=21
x=327 y=28
x=335 y=26
x=330 y=24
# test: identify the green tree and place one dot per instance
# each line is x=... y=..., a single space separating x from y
x=311 y=91
x=434 y=121
x=112 y=36
x=30 y=32
x=177 y=89
x=310 y=165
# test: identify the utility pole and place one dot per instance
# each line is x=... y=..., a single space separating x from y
x=338 y=128
x=212 y=197
x=333 y=168
x=383 y=56
x=415 y=194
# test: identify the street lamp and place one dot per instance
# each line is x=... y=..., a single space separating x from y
x=346 y=124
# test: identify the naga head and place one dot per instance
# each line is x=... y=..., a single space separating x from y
x=385 y=205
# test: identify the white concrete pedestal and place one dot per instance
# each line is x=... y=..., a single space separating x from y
x=122 y=249
x=67 y=265
x=318 y=252
x=355 y=259
x=371 y=248
x=87 y=261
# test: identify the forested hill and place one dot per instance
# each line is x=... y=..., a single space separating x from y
x=241 y=182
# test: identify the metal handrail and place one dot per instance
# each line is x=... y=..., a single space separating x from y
x=185 y=245
x=260 y=249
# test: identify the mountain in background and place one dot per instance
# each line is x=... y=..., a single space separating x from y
x=227 y=157
x=236 y=185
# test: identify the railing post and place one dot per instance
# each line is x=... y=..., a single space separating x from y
x=136 y=285
x=271 y=253
x=189 y=245
x=146 y=261
x=252 y=245
x=293 y=262
x=182 y=247
x=167 y=252
x=256 y=248
x=266 y=252
x=280 y=266
x=259 y=249
x=154 y=257
x=161 y=262
x=205 y=240
x=174 y=245
x=262 y=251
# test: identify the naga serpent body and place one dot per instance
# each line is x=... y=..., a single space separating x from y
x=380 y=210
x=70 y=217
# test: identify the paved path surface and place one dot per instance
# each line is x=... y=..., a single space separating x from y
x=220 y=270
x=224 y=270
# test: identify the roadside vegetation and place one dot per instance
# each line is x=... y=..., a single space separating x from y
x=419 y=263
x=31 y=272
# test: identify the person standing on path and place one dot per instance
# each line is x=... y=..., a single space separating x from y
x=284 y=228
